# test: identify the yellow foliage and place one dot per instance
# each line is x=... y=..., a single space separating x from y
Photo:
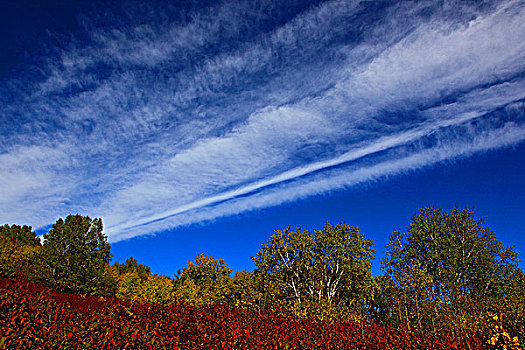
x=211 y=292
x=189 y=292
x=15 y=258
x=156 y=289
x=326 y=311
x=129 y=286
x=500 y=338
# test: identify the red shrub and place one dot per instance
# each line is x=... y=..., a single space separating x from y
x=34 y=317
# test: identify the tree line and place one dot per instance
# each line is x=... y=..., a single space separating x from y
x=447 y=272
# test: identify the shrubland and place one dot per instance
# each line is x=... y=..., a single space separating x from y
x=447 y=282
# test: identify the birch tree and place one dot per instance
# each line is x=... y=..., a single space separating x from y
x=330 y=265
x=448 y=261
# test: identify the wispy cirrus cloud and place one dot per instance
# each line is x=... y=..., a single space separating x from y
x=153 y=123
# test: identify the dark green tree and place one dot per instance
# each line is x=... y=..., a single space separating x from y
x=75 y=255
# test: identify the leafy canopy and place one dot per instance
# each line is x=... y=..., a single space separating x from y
x=204 y=281
x=446 y=269
x=131 y=265
x=204 y=269
x=323 y=265
x=19 y=235
x=75 y=254
x=458 y=252
x=18 y=247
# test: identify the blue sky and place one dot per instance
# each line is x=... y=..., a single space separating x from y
x=203 y=126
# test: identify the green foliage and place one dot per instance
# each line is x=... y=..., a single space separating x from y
x=131 y=265
x=254 y=291
x=129 y=285
x=20 y=235
x=329 y=266
x=75 y=254
x=446 y=268
x=18 y=248
x=16 y=260
x=109 y=282
x=204 y=281
x=189 y=292
x=205 y=269
x=447 y=277
x=155 y=289
x=217 y=292
x=158 y=290
x=135 y=282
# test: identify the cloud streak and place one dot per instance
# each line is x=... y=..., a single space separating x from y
x=244 y=105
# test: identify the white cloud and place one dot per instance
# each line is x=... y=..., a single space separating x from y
x=338 y=179
x=158 y=124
